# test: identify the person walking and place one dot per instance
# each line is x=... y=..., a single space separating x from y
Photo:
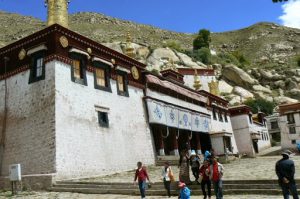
x=285 y=170
x=184 y=172
x=141 y=175
x=168 y=177
x=195 y=165
x=204 y=174
x=216 y=170
x=185 y=193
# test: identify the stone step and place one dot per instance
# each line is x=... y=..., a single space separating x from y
x=161 y=192
x=160 y=186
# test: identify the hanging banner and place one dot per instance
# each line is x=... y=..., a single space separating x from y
x=196 y=122
x=172 y=116
x=185 y=120
x=156 y=112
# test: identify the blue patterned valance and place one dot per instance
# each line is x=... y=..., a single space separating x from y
x=172 y=116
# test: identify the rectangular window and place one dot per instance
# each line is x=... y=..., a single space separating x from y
x=78 y=69
x=214 y=114
x=274 y=125
x=293 y=141
x=103 y=119
x=220 y=116
x=250 y=118
x=122 y=84
x=102 y=76
x=225 y=117
x=37 y=70
x=290 y=118
x=292 y=130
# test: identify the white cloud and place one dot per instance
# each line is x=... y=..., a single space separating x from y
x=291 y=14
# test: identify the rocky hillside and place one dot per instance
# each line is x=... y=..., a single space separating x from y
x=270 y=49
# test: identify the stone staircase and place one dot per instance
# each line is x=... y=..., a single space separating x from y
x=263 y=187
x=173 y=160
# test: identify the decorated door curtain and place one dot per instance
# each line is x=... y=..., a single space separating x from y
x=171 y=116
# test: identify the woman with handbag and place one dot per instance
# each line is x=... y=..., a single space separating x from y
x=168 y=177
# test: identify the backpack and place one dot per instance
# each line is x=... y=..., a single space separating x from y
x=185 y=193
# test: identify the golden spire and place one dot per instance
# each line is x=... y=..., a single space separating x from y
x=129 y=50
x=214 y=87
x=197 y=84
x=57 y=12
x=170 y=65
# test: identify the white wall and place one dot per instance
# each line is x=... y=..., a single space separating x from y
x=84 y=148
x=262 y=144
x=286 y=137
x=30 y=131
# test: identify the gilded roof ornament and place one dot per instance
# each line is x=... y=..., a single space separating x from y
x=214 y=87
x=170 y=65
x=197 y=83
x=129 y=50
x=57 y=12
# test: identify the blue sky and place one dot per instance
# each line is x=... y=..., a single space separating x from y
x=178 y=15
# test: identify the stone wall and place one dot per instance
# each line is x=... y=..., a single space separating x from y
x=84 y=149
x=30 y=130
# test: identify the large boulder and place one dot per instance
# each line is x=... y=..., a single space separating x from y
x=279 y=84
x=260 y=88
x=159 y=56
x=237 y=76
x=263 y=96
x=234 y=100
x=187 y=61
x=268 y=75
x=242 y=92
x=224 y=87
x=115 y=46
x=294 y=93
x=284 y=100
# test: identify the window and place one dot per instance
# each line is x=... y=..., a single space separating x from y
x=290 y=118
x=78 y=70
x=103 y=119
x=250 y=118
x=122 y=83
x=293 y=141
x=274 y=125
x=102 y=76
x=214 y=114
x=225 y=117
x=292 y=130
x=220 y=116
x=37 y=71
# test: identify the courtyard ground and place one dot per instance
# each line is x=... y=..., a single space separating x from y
x=243 y=169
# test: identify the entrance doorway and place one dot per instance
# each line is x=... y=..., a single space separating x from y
x=205 y=142
x=255 y=145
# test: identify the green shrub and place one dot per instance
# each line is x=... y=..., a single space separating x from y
x=260 y=104
x=298 y=60
x=202 y=40
x=202 y=55
x=173 y=45
x=240 y=57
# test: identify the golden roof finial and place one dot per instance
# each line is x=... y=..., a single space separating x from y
x=170 y=65
x=129 y=50
x=197 y=84
x=57 y=12
x=214 y=87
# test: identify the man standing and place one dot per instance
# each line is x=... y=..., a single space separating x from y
x=215 y=175
x=141 y=175
x=285 y=170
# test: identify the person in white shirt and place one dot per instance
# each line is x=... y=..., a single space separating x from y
x=167 y=176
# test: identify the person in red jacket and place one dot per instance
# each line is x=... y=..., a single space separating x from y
x=215 y=175
x=204 y=173
x=141 y=175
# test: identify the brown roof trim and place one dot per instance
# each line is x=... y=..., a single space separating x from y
x=214 y=98
x=239 y=110
x=293 y=107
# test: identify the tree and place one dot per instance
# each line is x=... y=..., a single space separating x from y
x=202 y=54
x=260 y=104
x=202 y=40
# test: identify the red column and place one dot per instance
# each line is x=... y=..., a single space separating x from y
x=174 y=143
x=161 y=150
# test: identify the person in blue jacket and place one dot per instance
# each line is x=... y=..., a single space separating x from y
x=185 y=192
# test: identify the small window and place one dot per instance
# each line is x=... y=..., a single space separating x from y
x=78 y=70
x=122 y=84
x=274 y=125
x=250 y=118
x=293 y=141
x=290 y=118
x=37 y=71
x=225 y=117
x=214 y=114
x=103 y=119
x=102 y=76
x=292 y=130
x=220 y=116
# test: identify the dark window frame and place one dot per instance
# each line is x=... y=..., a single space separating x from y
x=125 y=79
x=274 y=125
x=225 y=117
x=292 y=130
x=83 y=67
x=220 y=116
x=250 y=118
x=214 y=113
x=107 y=72
x=101 y=122
x=288 y=118
x=33 y=67
x=293 y=141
